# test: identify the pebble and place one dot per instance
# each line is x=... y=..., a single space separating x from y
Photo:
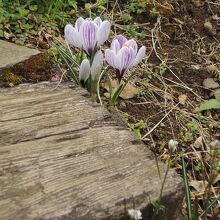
x=209 y=83
x=209 y=28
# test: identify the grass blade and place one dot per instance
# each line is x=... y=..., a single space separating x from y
x=196 y=210
x=210 y=205
x=71 y=71
x=188 y=198
x=98 y=83
x=120 y=89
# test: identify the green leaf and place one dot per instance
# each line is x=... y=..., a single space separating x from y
x=105 y=71
x=117 y=93
x=22 y=12
x=71 y=70
x=210 y=104
x=119 y=90
x=1 y=33
x=217 y=95
x=33 y=7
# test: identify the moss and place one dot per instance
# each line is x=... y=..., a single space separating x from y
x=37 y=68
x=10 y=77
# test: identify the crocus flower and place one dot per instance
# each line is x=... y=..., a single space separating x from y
x=87 y=33
x=172 y=145
x=134 y=214
x=95 y=69
x=123 y=55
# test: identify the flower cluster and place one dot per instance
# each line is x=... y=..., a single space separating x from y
x=89 y=35
x=123 y=55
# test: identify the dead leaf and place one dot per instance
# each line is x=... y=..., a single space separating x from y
x=182 y=99
x=198 y=143
x=107 y=95
x=199 y=185
x=198 y=3
x=212 y=69
x=210 y=83
x=8 y=35
x=128 y=92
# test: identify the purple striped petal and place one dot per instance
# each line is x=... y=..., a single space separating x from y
x=88 y=32
x=140 y=56
x=78 y=23
x=103 y=33
x=98 y=21
x=121 y=39
x=115 y=46
x=125 y=58
x=72 y=36
x=110 y=57
x=132 y=43
x=97 y=64
x=84 y=71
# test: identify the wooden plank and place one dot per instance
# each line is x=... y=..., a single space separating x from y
x=64 y=157
x=12 y=53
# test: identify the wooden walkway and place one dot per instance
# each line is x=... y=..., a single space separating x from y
x=64 y=157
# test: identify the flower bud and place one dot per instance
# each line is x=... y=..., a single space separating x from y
x=172 y=145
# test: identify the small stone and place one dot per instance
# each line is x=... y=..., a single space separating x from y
x=215 y=17
x=215 y=144
x=182 y=99
x=209 y=83
x=212 y=69
x=209 y=28
x=162 y=125
x=198 y=143
x=198 y=3
x=123 y=104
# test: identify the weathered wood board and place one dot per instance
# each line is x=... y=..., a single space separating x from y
x=64 y=157
x=11 y=54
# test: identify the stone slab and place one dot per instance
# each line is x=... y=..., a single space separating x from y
x=65 y=157
x=11 y=54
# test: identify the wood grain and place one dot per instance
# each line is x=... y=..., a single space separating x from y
x=64 y=157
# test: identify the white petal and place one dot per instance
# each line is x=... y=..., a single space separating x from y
x=98 y=21
x=115 y=46
x=84 y=70
x=67 y=31
x=110 y=57
x=103 y=32
x=132 y=43
x=97 y=64
x=125 y=58
x=78 y=23
x=140 y=56
x=72 y=36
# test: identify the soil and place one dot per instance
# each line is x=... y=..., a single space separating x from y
x=189 y=45
x=190 y=61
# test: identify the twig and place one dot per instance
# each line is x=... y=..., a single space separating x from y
x=152 y=129
x=153 y=35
